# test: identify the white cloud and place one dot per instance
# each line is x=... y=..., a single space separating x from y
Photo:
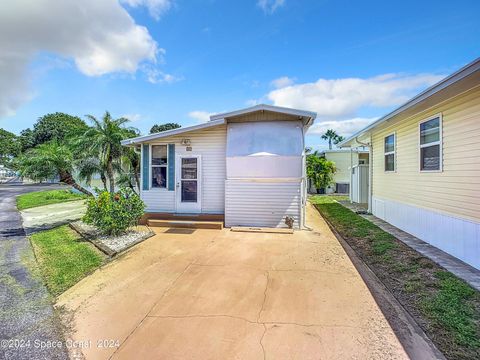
x=156 y=8
x=282 y=82
x=99 y=36
x=342 y=98
x=269 y=6
x=200 y=116
x=156 y=76
x=132 y=117
x=344 y=128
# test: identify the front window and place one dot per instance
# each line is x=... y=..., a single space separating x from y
x=430 y=141
x=159 y=166
x=389 y=152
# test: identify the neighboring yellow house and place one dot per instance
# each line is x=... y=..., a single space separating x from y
x=344 y=160
x=425 y=165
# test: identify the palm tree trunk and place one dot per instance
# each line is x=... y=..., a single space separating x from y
x=137 y=179
x=104 y=181
x=110 y=175
x=329 y=143
x=68 y=179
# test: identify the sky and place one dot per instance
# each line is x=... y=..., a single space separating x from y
x=158 y=61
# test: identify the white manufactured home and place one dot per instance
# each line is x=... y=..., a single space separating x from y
x=247 y=166
x=424 y=169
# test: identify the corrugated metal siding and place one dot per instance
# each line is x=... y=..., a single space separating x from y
x=210 y=144
x=454 y=191
x=251 y=203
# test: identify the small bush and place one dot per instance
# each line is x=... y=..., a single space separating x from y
x=114 y=213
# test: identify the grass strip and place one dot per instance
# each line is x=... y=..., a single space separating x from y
x=64 y=257
x=446 y=307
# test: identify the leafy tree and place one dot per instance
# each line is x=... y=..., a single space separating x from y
x=103 y=139
x=26 y=140
x=48 y=161
x=164 y=127
x=320 y=170
x=57 y=127
x=9 y=146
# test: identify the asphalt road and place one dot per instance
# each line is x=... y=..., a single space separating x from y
x=29 y=327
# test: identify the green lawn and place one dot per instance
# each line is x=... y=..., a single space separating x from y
x=64 y=258
x=447 y=308
x=48 y=197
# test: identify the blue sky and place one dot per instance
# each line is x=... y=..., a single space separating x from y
x=160 y=61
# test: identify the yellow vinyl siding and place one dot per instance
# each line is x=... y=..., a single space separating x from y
x=342 y=163
x=455 y=190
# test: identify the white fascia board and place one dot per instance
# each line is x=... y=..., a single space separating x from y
x=265 y=107
x=163 y=134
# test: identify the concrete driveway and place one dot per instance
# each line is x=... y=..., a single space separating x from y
x=215 y=294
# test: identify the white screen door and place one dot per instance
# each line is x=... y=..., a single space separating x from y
x=188 y=190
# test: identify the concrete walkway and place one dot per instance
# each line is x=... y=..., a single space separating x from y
x=455 y=266
x=26 y=315
x=50 y=216
x=217 y=294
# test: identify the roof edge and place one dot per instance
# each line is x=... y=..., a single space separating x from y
x=163 y=134
x=451 y=79
x=266 y=107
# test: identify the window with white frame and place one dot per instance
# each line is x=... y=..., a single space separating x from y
x=159 y=163
x=430 y=145
x=389 y=152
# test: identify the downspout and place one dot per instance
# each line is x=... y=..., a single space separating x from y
x=351 y=175
x=370 y=172
x=303 y=224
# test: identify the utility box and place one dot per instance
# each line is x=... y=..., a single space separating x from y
x=359 y=184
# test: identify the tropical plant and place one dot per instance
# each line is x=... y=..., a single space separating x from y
x=163 y=127
x=332 y=137
x=114 y=213
x=320 y=171
x=103 y=139
x=338 y=139
x=129 y=174
x=49 y=160
x=89 y=166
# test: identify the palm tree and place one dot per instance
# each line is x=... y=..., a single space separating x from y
x=330 y=135
x=103 y=138
x=130 y=169
x=50 y=160
x=90 y=166
x=338 y=139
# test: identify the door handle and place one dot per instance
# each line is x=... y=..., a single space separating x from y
x=178 y=183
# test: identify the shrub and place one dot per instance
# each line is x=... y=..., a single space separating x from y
x=114 y=213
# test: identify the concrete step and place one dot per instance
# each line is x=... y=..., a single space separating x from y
x=189 y=224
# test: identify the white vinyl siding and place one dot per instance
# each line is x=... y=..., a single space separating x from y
x=262 y=203
x=210 y=144
x=458 y=237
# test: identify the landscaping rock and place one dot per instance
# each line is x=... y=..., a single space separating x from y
x=112 y=245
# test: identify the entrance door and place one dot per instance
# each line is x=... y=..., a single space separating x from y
x=188 y=191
